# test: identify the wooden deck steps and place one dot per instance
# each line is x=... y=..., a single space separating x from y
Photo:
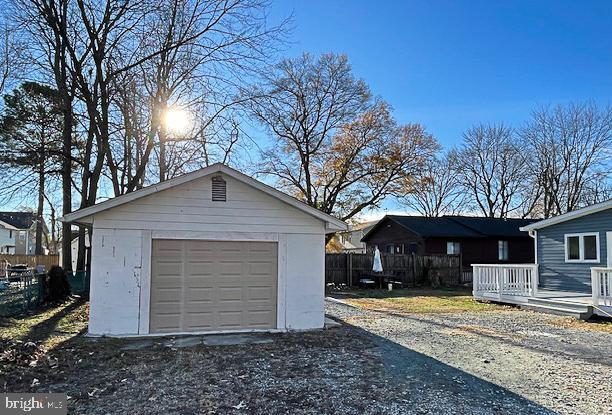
x=562 y=307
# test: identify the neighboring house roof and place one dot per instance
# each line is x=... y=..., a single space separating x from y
x=363 y=225
x=18 y=220
x=493 y=226
x=347 y=245
x=598 y=207
x=456 y=226
x=332 y=223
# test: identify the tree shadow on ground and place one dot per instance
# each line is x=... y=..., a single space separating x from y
x=581 y=351
x=425 y=375
x=42 y=331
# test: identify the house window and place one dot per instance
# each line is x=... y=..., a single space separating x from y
x=399 y=249
x=389 y=249
x=582 y=247
x=22 y=235
x=413 y=248
x=10 y=234
x=502 y=250
x=453 y=248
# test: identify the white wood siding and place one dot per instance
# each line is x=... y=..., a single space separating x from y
x=189 y=207
x=123 y=235
x=115 y=281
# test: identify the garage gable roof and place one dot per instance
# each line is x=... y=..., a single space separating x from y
x=332 y=223
x=575 y=214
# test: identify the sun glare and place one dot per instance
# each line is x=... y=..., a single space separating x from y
x=177 y=121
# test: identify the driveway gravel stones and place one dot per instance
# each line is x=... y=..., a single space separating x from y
x=510 y=362
x=520 y=353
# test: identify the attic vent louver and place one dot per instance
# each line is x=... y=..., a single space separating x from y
x=219 y=189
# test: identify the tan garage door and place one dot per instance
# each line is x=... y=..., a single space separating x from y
x=212 y=285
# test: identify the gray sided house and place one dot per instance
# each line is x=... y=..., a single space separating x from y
x=572 y=274
x=18 y=233
x=568 y=246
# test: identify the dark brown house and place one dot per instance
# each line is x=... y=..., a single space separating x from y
x=477 y=240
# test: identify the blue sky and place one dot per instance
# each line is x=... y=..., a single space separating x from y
x=451 y=64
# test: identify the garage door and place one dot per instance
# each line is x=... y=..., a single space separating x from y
x=212 y=285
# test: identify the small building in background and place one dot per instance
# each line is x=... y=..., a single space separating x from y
x=475 y=239
x=74 y=247
x=18 y=233
x=350 y=241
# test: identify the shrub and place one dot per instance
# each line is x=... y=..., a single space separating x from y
x=58 y=288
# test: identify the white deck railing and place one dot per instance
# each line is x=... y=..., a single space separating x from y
x=500 y=280
x=601 y=283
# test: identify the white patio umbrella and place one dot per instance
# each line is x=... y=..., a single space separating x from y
x=377 y=266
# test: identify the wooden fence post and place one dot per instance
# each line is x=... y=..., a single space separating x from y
x=349 y=269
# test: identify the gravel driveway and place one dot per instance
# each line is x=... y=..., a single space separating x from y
x=492 y=362
x=510 y=362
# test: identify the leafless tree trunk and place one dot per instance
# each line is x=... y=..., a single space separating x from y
x=491 y=164
x=572 y=148
x=437 y=189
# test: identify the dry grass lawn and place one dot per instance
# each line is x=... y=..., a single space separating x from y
x=428 y=301
x=600 y=325
x=48 y=326
x=420 y=301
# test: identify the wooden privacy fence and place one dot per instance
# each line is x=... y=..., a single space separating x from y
x=30 y=260
x=412 y=270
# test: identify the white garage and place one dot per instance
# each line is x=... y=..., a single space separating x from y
x=211 y=251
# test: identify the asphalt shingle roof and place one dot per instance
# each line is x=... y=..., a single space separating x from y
x=435 y=227
x=493 y=226
x=20 y=220
x=461 y=226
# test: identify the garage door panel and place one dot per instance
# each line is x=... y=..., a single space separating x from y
x=260 y=268
x=170 y=247
x=199 y=320
x=230 y=319
x=260 y=294
x=200 y=295
x=259 y=317
x=200 y=267
x=212 y=285
x=170 y=268
x=227 y=294
x=231 y=268
x=168 y=322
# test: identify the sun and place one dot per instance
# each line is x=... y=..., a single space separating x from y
x=177 y=121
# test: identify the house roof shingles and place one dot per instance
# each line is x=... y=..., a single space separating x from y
x=20 y=220
x=435 y=227
x=494 y=226
x=458 y=226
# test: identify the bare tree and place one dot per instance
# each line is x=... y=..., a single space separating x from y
x=11 y=54
x=437 y=189
x=200 y=56
x=571 y=150
x=47 y=30
x=335 y=147
x=491 y=165
x=109 y=57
